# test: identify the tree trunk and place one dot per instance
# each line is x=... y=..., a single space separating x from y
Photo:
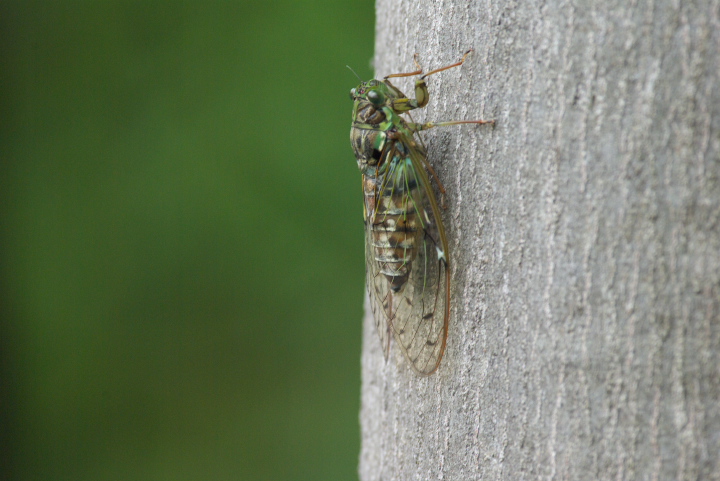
x=584 y=235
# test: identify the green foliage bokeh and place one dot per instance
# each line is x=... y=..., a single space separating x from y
x=182 y=259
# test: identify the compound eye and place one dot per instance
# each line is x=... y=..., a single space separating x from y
x=352 y=94
x=375 y=97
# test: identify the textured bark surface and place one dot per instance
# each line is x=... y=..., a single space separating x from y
x=585 y=245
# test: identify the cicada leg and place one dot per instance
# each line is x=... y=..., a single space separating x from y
x=421 y=92
x=457 y=64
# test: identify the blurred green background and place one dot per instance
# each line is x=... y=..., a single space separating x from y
x=182 y=260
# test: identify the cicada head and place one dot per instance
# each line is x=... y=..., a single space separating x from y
x=369 y=98
x=373 y=91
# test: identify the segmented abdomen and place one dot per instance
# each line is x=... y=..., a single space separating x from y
x=391 y=203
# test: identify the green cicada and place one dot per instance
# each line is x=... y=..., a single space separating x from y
x=406 y=250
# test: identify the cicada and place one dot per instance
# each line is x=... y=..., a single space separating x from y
x=406 y=249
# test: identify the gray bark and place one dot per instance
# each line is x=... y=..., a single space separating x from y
x=585 y=245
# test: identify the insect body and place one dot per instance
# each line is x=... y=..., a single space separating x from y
x=406 y=250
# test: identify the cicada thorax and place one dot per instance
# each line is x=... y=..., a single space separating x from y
x=367 y=113
x=394 y=211
x=369 y=136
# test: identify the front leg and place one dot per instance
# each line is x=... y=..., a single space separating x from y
x=421 y=92
x=421 y=98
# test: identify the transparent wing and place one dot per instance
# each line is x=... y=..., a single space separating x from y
x=417 y=313
x=377 y=287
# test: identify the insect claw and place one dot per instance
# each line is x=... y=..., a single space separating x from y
x=417 y=64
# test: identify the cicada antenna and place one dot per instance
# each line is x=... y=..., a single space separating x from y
x=348 y=66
